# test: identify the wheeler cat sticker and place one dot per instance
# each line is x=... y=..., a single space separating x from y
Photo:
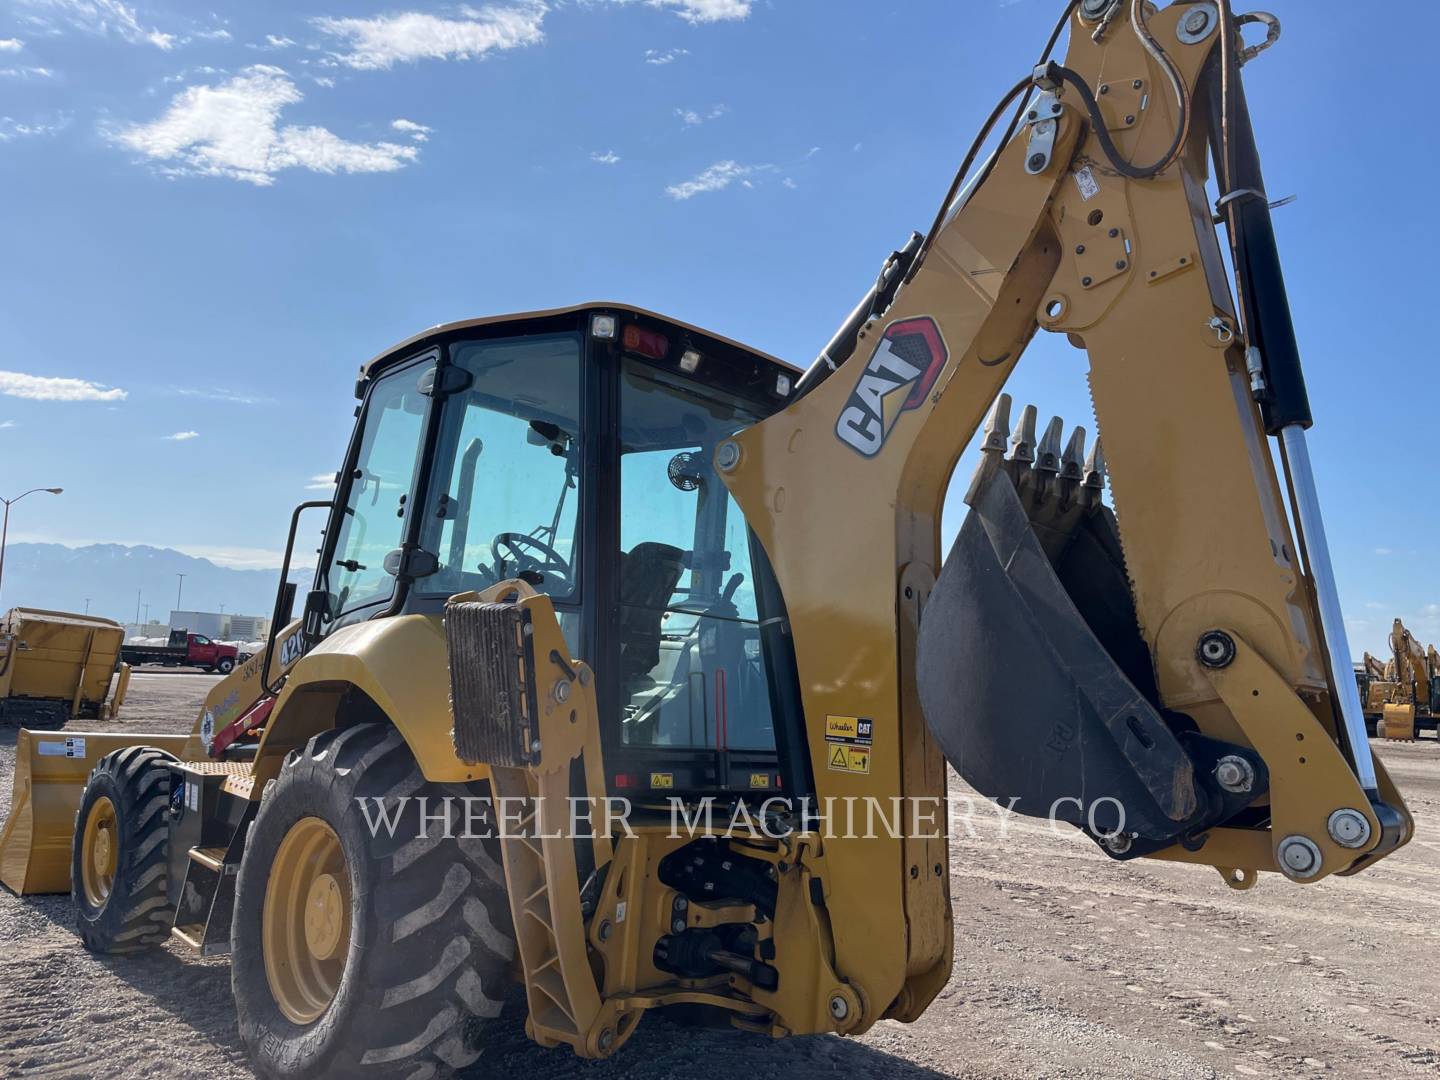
x=897 y=377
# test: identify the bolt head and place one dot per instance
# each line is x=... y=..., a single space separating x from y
x=677 y=926
x=680 y=903
x=1234 y=774
x=1216 y=649
x=606 y=930
x=1197 y=20
x=607 y=1039
x=1119 y=842
x=1299 y=857
x=839 y=1007
x=1087 y=281
x=1079 y=249
x=1349 y=828
x=1037 y=162
x=561 y=690
x=727 y=455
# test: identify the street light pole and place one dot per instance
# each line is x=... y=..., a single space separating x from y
x=178 y=590
x=5 y=526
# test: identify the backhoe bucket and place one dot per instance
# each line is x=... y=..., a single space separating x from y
x=1032 y=672
x=51 y=769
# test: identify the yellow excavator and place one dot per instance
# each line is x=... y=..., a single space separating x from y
x=1402 y=694
x=597 y=584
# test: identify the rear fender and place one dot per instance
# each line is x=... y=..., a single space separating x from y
x=401 y=665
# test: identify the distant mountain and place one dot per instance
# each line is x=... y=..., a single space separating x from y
x=111 y=575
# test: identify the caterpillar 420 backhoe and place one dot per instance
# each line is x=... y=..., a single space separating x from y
x=747 y=558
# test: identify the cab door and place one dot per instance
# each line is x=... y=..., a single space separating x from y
x=371 y=519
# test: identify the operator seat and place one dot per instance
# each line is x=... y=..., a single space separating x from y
x=648 y=576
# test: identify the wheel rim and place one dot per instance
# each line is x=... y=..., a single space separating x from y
x=100 y=851
x=305 y=927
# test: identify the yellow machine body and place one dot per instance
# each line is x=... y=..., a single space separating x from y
x=60 y=661
x=843 y=490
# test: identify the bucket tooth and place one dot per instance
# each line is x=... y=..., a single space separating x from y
x=1094 y=475
x=1022 y=442
x=1072 y=462
x=1048 y=452
x=997 y=426
x=992 y=444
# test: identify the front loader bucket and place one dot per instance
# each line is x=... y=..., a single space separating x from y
x=51 y=769
x=1032 y=672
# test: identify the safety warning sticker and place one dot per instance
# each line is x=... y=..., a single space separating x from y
x=70 y=748
x=847 y=743
x=1086 y=182
x=852 y=759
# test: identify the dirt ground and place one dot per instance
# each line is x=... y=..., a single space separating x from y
x=1066 y=965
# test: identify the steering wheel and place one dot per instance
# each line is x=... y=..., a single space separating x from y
x=515 y=543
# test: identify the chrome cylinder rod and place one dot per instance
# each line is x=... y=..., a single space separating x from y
x=1332 y=619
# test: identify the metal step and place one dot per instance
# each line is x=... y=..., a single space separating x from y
x=212 y=858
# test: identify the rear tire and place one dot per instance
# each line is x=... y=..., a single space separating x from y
x=407 y=968
x=119 y=857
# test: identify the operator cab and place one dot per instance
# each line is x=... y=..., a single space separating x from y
x=574 y=449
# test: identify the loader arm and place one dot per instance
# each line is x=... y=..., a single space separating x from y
x=1181 y=666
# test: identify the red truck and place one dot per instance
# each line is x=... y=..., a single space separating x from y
x=184 y=650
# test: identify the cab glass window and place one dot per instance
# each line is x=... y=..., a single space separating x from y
x=373 y=517
x=506 y=487
x=691 y=670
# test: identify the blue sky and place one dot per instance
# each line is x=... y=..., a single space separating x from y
x=212 y=215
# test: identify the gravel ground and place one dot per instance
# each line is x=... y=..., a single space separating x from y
x=1066 y=965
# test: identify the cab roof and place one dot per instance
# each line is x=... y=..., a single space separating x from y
x=397 y=352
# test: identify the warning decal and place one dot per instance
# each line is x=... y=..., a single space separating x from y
x=70 y=748
x=848 y=740
x=851 y=759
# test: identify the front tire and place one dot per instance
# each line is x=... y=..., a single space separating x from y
x=363 y=953
x=225 y=666
x=119 y=857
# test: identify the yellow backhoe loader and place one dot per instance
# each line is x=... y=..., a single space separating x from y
x=621 y=629
x=1403 y=701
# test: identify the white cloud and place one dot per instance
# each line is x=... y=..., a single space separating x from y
x=278 y=41
x=701 y=11
x=716 y=178
x=789 y=183
x=386 y=40
x=105 y=17
x=232 y=130
x=691 y=118
x=11 y=129
x=219 y=34
x=4 y=424
x=669 y=56
x=26 y=73
x=1382 y=551
x=182 y=436
x=418 y=132
x=321 y=482
x=11 y=44
x=609 y=157
x=220 y=393
x=52 y=388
